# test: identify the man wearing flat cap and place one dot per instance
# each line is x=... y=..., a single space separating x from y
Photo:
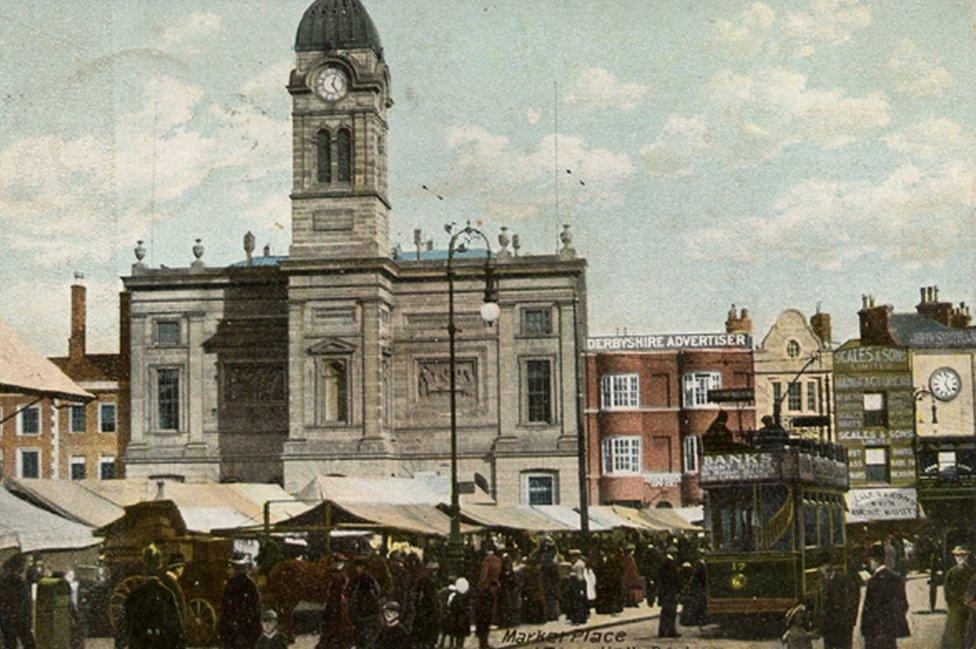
x=885 y=604
x=240 y=608
x=171 y=579
x=956 y=581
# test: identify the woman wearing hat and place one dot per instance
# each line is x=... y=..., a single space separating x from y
x=956 y=581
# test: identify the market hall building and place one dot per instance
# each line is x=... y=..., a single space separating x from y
x=648 y=406
x=333 y=360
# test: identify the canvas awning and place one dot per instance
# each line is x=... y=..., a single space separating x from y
x=23 y=370
x=569 y=517
x=422 y=519
x=613 y=517
x=34 y=529
x=513 y=517
x=668 y=518
x=99 y=502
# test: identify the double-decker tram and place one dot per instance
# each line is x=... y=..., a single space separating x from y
x=775 y=513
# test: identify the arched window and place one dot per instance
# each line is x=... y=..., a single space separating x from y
x=324 y=145
x=344 y=155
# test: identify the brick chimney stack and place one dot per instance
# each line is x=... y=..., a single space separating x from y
x=820 y=323
x=738 y=322
x=76 y=343
x=961 y=317
x=875 y=322
x=941 y=312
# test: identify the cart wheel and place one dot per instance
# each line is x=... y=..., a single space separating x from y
x=201 y=622
x=116 y=602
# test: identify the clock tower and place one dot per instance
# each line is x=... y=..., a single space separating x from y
x=340 y=90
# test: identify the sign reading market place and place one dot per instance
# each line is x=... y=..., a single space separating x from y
x=667 y=342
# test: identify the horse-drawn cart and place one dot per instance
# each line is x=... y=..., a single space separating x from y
x=159 y=522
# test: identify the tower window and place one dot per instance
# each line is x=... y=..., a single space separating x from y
x=344 y=155
x=324 y=144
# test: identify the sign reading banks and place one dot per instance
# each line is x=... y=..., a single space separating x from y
x=665 y=342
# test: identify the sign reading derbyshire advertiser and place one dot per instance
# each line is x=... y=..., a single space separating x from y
x=665 y=342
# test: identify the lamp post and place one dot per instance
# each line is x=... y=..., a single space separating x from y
x=460 y=242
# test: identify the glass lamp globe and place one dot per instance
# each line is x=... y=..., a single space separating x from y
x=490 y=312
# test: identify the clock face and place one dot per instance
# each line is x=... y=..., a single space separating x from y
x=331 y=84
x=945 y=384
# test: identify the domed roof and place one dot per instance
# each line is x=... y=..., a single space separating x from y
x=336 y=25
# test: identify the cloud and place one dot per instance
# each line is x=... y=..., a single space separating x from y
x=912 y=75
x=934 y=138
x=196 y=26
x=71 y=199
x=800 y=33
x=598 y=88
x=533 y=116
x=773 y=108
x=827 y=21
x=917 y=216
x=514 y=184
x=674 y=151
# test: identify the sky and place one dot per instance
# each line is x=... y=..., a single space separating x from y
x=767 y=154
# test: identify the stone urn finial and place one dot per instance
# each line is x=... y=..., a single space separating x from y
x=566 y=236
x=249 y=246
x=198 y=254
x=503 y=240
x=140 y=253
x=516 y=244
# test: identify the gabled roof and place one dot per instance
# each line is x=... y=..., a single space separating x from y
x=91 y=367
x=25 y=371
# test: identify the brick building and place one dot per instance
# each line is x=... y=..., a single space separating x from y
x=54 y=439
x=648 y=406
x=334 y=358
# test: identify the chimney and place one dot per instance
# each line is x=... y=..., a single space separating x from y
x=76 y=343
x=941 y=312
x=875 y=322
x=820 y=323
x=738 y=323
x=961 y=317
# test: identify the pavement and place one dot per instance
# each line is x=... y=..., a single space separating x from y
x=637 y=629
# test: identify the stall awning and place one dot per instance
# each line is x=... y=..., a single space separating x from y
x=34 y=529
x=882 y=504
x=614 y=517
x=570 y=517
x=25 y=371
x=513 y=517
x=99 y=502
x=669 y=519
x=426 y=520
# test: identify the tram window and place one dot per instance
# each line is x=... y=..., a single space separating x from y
x=809 y=523
x=735 y=522
x=824 y=516
x=776 y=509
x=837 y=513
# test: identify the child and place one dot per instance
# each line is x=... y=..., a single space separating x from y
x=796 y=637
x=271 y=638
x=392 y=635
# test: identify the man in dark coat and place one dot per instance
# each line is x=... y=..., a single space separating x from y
x=549 y=565
x=426 y=624
x=392 y=635
x=668 y=589
x=15 y=604
x=240 y=608
x=364 y=603
x=152 y=616
x=486 y=593
x=335 y=627
x=841 y=598
x=956 y=583
x=885 y=604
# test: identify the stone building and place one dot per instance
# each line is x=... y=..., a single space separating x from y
x=648 y=405
x=334 y=358
x=48 y=438
x=793 y=367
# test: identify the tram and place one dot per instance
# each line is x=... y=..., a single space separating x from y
x=775 y=512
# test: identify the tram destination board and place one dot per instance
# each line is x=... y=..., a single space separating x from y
x=785 y=464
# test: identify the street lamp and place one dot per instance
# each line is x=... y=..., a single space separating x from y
x=460 y=242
